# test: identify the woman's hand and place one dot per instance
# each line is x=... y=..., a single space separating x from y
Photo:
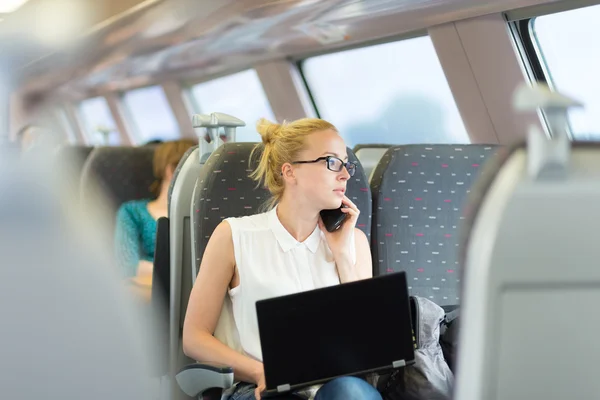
x=260 y=383
x=341 y=242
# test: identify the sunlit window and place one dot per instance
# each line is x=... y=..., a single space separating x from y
x=568 y=44
x=240 y=95
x=100 y=127
x=393 y=93
x=150 y=113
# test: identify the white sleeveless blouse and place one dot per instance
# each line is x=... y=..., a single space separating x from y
x=271 y=263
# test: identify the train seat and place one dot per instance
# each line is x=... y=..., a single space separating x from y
x=418 y=196
x=120 y=174
x=225 y=190
x=531 y=278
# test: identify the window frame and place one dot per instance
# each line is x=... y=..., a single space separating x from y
x=533 y=57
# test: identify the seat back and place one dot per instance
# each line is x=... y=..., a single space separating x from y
x=224 y=189
x=531 y=276
x=369 y=156
x=180 y=239
x=122 y=174
x=418 y=197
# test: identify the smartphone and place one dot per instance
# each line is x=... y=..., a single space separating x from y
x=333 y=219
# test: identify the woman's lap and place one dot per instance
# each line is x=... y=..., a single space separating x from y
x=346 y=388
x=245 y=391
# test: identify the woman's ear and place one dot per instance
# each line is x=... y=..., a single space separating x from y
x=287 y=172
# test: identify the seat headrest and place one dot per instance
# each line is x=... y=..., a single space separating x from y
x=124 y=173
x=419 y=192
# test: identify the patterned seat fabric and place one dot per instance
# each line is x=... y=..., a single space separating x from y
x=225 y=190
x=419 y=192
x=124 y=173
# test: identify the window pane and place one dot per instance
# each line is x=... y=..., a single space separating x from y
x=568 y=42
x=240 y=95
x=150 y=112
x=98 y=122
x=392 y=93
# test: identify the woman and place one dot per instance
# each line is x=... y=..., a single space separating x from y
x=136 y=220
x=283 y=251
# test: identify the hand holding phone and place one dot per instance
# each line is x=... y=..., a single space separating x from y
x=338 y=226
x=333 y=219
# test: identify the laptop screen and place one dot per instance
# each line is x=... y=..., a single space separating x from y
x=339 y=330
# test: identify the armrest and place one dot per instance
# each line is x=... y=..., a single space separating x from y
x=194 y=379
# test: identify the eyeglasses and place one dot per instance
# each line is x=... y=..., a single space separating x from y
x=333 y=164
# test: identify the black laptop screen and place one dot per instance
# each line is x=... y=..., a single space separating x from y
x=340 y=330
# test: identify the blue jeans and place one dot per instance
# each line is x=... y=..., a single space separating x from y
x=347 y=388
x=344 y=388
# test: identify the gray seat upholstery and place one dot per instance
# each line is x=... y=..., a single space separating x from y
x=123 y=173
x=224 y=190
x=418 y=197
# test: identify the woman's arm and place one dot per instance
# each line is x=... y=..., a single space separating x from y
x=363 y=267
x=204 y=308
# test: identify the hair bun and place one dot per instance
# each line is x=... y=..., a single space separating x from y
x=268 y=130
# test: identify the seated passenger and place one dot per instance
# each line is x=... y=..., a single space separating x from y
x=286 y=250
x=136 y=220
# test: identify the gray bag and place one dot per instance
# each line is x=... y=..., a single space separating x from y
x=429 y=378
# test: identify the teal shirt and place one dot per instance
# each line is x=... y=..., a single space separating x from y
x=135 y=236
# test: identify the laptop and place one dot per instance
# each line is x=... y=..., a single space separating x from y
x=349 y=329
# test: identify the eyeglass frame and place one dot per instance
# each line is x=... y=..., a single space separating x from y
x=327 y=158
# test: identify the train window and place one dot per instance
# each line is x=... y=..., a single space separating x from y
x=566 y=43
x=150 y=112
x=100 y=127
x=240 y=95
x=393 y=93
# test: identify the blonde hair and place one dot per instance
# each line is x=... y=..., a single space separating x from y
x=281 y=144
x=168 y=154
